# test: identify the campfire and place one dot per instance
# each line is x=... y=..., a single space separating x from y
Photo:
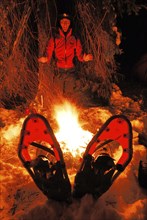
x=72 y=138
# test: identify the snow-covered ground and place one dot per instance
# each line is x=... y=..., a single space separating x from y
x=21 y=199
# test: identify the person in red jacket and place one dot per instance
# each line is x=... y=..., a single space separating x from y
x=65 y=47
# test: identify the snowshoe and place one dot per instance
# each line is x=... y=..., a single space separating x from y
x=98 y=171
x=48 y=169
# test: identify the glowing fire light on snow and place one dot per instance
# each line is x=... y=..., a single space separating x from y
x=71 y=136
x=12 y=132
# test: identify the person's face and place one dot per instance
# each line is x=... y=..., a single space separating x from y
x=65 y=23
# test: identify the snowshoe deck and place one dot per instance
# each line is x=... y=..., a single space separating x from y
x=97 y=174
x=51 y=178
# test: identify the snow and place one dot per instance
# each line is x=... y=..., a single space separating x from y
x=22 y=200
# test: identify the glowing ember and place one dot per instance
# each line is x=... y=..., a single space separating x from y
x=71 y=136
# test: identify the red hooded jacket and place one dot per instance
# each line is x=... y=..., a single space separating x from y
x=66 y=47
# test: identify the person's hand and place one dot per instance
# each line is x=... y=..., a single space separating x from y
x=43 y=59
x=87 y=57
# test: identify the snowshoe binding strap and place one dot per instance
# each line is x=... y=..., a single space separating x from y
x=97 y=174
x=51 y=178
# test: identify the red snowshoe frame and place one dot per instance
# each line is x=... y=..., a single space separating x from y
x=96 y=175
x=36 y=128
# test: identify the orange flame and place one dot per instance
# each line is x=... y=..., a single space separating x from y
x=71 y=136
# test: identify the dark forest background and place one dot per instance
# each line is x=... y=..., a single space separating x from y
x=115 y=32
